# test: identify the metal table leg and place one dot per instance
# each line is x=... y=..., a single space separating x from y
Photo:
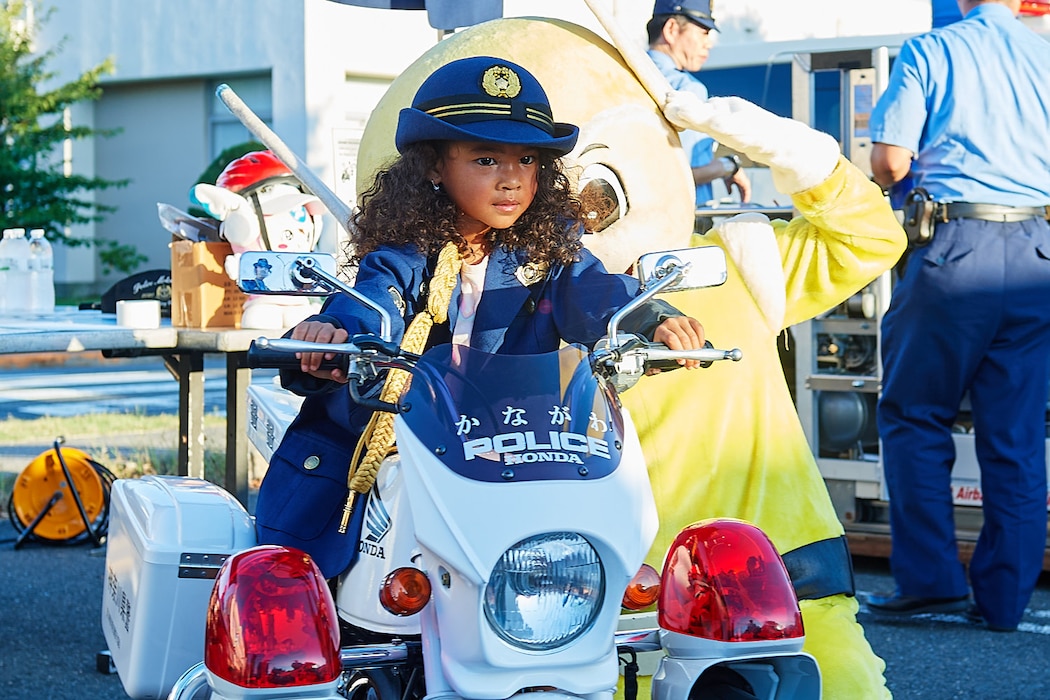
x=188 y=369
x=238 y=377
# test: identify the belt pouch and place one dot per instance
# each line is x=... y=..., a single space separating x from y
x=919 y=224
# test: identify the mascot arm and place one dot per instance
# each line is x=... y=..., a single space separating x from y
x=798 y=157
x=232 y=265
x=240 y=226
x=845 y=237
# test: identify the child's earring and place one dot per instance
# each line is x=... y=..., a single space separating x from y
x=435 y=185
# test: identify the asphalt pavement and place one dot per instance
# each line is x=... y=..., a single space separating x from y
x=81 y=386
x=50 y=617
x=946 y=657
x=51 y=595
x=51 y=603
x=127 y=385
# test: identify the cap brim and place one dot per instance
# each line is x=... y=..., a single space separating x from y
x=708 y=24
x=287 y=202
x=415 y=125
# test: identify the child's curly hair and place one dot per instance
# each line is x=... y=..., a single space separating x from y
x=402 y=207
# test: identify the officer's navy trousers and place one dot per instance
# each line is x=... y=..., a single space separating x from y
x=971 y=313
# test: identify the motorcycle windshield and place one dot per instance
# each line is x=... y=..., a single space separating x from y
x=515 y=417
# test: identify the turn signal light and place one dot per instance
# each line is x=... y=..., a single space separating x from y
x=272 y=621
x=643 y=590
x=405 y=591
x=724 y=580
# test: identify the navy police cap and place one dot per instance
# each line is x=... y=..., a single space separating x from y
x=483 y=99
x=700 y=11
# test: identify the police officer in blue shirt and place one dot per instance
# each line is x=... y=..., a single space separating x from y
x=679 y=42
x=262 y=271
x=965 y=115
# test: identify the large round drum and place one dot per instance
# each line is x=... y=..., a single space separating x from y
x=43 y=478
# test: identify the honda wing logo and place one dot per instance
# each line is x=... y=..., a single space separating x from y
x=376 y=525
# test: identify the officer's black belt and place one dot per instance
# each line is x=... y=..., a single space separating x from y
x=821 y=569
x=989 y=212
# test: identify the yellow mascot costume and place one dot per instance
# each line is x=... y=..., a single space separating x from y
x=726 y=441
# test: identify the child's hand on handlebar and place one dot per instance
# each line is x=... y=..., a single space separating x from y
x=319 y=332
x=681 y=333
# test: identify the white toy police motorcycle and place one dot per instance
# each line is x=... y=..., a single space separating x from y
x=500 y=546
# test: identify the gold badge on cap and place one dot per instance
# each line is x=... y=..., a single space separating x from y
x=531 y=273
x=500 y=81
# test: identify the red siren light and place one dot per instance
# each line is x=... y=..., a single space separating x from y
x=272 y=621
x=1035 y=7
x=724 y=580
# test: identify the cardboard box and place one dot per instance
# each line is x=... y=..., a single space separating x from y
x=168 y=538
x=202 y=294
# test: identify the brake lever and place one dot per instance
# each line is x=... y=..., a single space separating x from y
x=374 y=404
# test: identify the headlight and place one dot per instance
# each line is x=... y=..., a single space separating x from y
x=545 y=591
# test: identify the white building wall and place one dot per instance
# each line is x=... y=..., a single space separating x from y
x=153 y=42
x=329 y=63
x=351 y=56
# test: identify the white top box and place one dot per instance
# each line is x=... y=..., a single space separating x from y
x=168 y=537
x=167 y=515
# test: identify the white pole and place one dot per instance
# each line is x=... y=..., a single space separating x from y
x=340 y=209
x=637 y=60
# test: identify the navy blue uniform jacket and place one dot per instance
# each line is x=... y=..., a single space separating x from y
x=301 y=498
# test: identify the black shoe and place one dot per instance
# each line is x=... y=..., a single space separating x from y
x=974 y=615
x=904 y=606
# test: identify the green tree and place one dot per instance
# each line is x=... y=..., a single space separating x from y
x=35 y=192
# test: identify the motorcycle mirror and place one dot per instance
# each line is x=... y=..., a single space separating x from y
x=300 y=274
x=705 y=266
x=270 y=272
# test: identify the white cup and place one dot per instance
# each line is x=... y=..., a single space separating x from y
x=138 y=313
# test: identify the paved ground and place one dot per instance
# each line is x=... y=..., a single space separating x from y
x=51 y=598
x=76 y=384
x=92 y=384
x=50 y=612
x=89 y=384
x=51 y=601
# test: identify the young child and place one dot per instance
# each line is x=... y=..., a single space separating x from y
x=479 y=189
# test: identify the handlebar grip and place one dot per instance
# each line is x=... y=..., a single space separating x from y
x=268 y=358
x=665 y=365
x=659 y=357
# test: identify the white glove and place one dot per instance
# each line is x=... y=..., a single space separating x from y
x=217 y=201
x=240 y=225
x=798 y=156
x=232 y=266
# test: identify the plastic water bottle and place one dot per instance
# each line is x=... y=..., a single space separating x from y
x=41 y=273
x=14 y=260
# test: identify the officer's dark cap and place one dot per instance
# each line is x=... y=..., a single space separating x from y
x=483 y=99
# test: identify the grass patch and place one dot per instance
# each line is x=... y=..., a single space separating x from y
x=7 y=482
x=17 y=431
x=129 y=445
